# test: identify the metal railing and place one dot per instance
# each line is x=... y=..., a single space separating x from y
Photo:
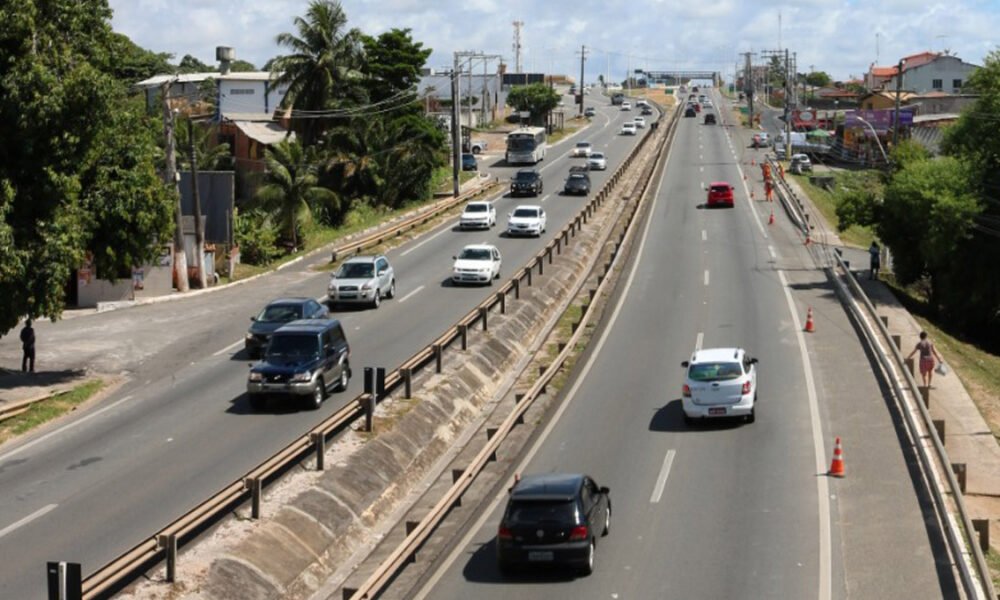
x=385 y=572
x=163 y=544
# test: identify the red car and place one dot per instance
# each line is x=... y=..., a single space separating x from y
x=720 y=193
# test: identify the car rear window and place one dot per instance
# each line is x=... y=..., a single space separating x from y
x=523 y=512
x=720 y=189
x=715 y=371
x=280 y=313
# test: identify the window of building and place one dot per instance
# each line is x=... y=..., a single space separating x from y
x=242 y=91
x=956 y=83
x=937 y=84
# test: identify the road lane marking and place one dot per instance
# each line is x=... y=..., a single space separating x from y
x=228 y=348
x=704 y=235
x=447 y=227
x=411 y=294
x=698 y=341
x=545 y=197
x=701 y=169
x=661 y=481
x=771 y=251
x=460 y=547
x=38 y=513
x=825 y=591
x=706 y=276
x=63 y=429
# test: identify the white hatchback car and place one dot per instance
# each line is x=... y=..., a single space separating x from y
x=720 y=382
x=628 y=128
x=478 y=215
x=582 y=149
x=626 y=105
x=640 y=122
x=597 y=161
x=526 y=220
x=477 y=263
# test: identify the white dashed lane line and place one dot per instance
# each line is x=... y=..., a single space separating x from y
x=706 y=276
x=17 y=525
x=661 y=480
x=411 y=294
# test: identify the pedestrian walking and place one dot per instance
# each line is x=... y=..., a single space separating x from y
x=28 y=346
x=927 y=354
x=875 y=254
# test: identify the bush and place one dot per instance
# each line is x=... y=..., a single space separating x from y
x=257 y=237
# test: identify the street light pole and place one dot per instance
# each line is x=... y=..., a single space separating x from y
x=895 y=116
x=877 y=141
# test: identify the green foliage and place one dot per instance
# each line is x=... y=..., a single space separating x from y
x=210 y=157
x=818 y=79
x=392 y=64
x=256 y=237
x=858 y=196
x=906 y=152
x=538 y=98
x=132 y=64
x=190 y=64
x=241 y=66
x=290 y=191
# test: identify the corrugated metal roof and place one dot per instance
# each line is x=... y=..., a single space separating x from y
x=265 y=133
x=158 y=80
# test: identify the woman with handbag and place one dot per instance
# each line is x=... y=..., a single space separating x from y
x=927 y=353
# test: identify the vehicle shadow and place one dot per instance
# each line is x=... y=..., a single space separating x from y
x=482 y=568
x=243 y=354
x=240 y=405
x=670 y=417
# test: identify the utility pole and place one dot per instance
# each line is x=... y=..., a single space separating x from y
x=485 y=96
x=456 y=132
x=583 y=59
x=788 y=108
x=895 y=116
x=170 y=179
x=748 y=84
x=199 y=230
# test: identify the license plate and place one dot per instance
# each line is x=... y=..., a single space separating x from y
x=717 y=411
x=539 y=556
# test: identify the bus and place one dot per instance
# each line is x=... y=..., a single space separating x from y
x=526 y=145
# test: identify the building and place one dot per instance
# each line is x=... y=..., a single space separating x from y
x=940 y=103
x=488 y=97
x=881 y=100
x=921 y=73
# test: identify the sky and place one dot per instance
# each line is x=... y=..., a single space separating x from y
x=840 y=37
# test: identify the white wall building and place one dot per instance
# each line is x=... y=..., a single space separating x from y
x=935 y=73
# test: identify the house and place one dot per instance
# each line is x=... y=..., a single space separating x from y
x=883 y=100
x=940 y=103
x=923 y=72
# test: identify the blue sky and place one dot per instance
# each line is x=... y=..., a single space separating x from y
x=839 y=37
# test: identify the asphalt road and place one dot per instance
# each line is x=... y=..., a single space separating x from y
x=725 y=510
x=95 y=484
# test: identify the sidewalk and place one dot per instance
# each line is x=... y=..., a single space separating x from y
x=16 y=386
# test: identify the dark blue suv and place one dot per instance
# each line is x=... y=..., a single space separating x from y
x=303 y=360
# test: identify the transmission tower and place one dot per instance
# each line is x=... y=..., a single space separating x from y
x=517 y=45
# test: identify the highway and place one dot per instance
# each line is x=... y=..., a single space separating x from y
x=96 y=483
x=722 y=510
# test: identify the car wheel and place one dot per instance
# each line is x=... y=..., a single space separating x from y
x=316 y=400
x=607 y=521
x=588 y=568
x=257 y=402
x=753 y=415
x=392 y=289
x=345 y=378
x=377 y=298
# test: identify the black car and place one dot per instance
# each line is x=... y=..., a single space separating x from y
x=469 y=162
x=551 y=519
x=647 y=110
x=578 y=182
x=526 y=182
x=303 y=360
x=275 y=314
x=709 y=119
x=690 y=112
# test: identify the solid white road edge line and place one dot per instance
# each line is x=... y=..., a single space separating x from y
x=825 y=590
x=570 y=395
x=63 y=429
x=411 y=294
x=661 y=481
x=750 y=202
x=38 y=513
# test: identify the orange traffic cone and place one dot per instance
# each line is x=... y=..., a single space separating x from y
x=770 y=220
x=810 y=327
x=837 y=464
x=808 y=240
x=753 y=163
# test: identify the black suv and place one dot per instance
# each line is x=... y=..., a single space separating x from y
x=526 y=182
x=303 y=360
x=553 y=519
x=709 y=119
x=578 y=182
x=690 y=112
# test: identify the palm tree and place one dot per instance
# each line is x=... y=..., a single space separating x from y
x=290 y=192
x=322 y=71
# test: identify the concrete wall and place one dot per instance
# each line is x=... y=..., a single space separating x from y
x=920 y=79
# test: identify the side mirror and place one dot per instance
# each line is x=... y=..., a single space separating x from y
x=381 y=272
x=253 y=318
x=685 y=364
x=605 y=490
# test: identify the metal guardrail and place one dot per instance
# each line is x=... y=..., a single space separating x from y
x=416 y=538
x=971 y=542
x=163 y=544
x=958 y=547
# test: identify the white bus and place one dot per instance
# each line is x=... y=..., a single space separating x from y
x=526 y=145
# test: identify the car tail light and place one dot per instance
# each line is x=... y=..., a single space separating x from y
x=746 y=387
x=580 y=532
x=686 y=391
x=504 y=533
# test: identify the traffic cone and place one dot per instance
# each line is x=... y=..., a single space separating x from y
x=837 y=464
x=770 y=220
x=810 y=327
x=808 y=240
x=753 y=163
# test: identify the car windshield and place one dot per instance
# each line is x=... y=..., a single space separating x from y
x=578 y=177
x=583 y=145
x=525 y=212
x=303 y=345
x=525 y=176
x=280 y=313
x=356 y=270
x=720 y=371
x=596 y=156
x=473 y=208
x=474 y=254
x=527 y=512
x=520 y=143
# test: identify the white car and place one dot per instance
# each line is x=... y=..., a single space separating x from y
x=582 y=149
x=477 y=263
x=720 y=382
x=478 y=215
x=526 y=220
x=597 y=161
x=628 y=128
x=640 y=122
x=626 y=105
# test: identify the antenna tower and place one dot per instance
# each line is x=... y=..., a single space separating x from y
x=517 y=45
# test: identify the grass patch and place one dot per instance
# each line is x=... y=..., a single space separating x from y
x=826 y=204
x=569 y=128
x=441 y=182
x=44 y=411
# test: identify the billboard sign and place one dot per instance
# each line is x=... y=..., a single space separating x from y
x=881 y=120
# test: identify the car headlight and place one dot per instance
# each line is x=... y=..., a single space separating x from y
x=248 y=337
x=256 y=377
x=304 y=376
x=368 y=286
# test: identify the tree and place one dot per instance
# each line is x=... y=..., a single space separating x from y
x=392 y=64
x=322 y=71
x=242 y=66
x=132 y=64
x=211 y=157
x=537 y=98
x=818 y=79
x=290 y=188
x=190 y=64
